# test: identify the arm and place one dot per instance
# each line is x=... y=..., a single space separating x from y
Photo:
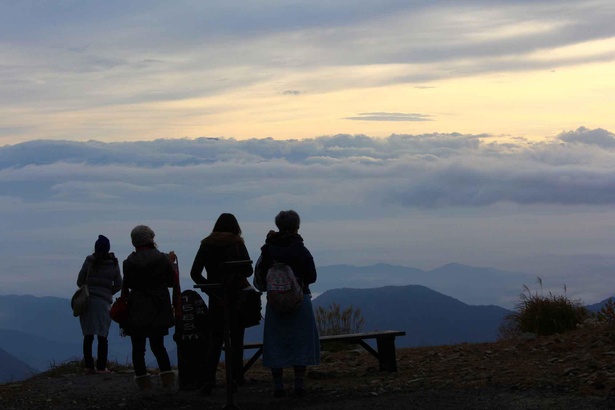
x=309 y=273
x=196 y=273
x=242 y=255
x=169 y=270
x=117 y=279
x=263 y=264
x=126 y=280
x=83 y=273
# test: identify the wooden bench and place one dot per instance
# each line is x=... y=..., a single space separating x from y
x=384 y=352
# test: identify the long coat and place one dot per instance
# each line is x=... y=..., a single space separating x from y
x=104 y=279
x=148 y=273
x=289 y=340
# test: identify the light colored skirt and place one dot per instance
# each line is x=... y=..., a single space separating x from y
x=96 y=319
x=291 y=340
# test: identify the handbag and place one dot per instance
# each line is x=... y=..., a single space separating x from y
x=119 y=310
x=79 y=301
x=249 y=307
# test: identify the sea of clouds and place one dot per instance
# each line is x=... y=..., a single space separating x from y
x=412 y=200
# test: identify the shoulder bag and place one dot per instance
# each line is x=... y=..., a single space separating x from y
x=79 y=301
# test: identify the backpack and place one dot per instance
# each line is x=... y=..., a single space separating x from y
x=284 y=294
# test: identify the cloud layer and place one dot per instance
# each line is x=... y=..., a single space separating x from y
x=414 y=171
x=414 y=200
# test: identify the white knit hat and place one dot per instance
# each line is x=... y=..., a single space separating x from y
x=142 y=235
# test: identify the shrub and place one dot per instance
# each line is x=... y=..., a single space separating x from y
x=607 y=313
x=335 y=321
x=543 y=315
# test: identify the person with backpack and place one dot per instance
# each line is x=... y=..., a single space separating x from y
x=148 y=273
x=101 y=272
x=223 y=245
x=290 y=336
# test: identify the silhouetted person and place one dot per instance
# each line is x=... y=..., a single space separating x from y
x=148 y=273
x=289 y=340
x=103 y=279
x=224 y=244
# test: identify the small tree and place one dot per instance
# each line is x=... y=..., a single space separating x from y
x=335 y=321
x=607 y=313
x=543 y=315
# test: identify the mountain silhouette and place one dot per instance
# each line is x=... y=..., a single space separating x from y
x=12 y=369
x=428 y=317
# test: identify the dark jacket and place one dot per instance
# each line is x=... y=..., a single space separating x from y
x=287 y=248
x=148 y=273
x=217 y=248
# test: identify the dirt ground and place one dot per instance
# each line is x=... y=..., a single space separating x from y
x=572 y=371
x=118 y=392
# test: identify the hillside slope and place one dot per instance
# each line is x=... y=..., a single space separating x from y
x=574 y=371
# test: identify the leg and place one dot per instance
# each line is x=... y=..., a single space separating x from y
x=138 y=355
x=299 y=376
x=103 y=350
x=278 y=382
x=88 y=340
x=158 y=349
x=237 y=336
x=211 y=360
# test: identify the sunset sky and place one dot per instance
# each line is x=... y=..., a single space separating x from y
x=139 y=70
x=415 y=133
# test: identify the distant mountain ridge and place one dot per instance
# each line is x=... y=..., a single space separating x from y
x=13 y=369
x=597 y=306
x=427 y=316
x=472 y=285
x=38 y=352
x=41 y=330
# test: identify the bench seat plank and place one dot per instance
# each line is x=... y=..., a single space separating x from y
x=384 y=352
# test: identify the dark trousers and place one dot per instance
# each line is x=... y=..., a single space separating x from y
x=216 y=340
x=101 y=357
x=138 y=354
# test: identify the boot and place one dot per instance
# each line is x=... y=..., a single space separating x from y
x=167 y=379
x=144 y=383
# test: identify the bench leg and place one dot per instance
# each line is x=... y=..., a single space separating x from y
x=386 y=353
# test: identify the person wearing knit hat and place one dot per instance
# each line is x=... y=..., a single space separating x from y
x=148 y=273
x=142 y=235
x=101 y=272
x=102 y=245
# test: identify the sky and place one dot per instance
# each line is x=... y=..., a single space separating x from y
x=140 y=70
x=415 y=133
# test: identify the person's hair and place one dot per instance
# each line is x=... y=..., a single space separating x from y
x=227 y=223
x=288 y=221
